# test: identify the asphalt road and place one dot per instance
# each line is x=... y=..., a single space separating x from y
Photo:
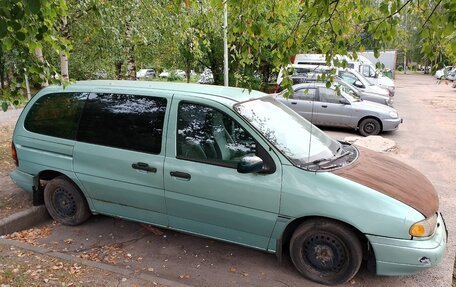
x=426 y=140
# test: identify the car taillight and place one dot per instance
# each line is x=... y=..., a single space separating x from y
x=14 y=154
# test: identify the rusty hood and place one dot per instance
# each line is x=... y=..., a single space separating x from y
x=393 y=178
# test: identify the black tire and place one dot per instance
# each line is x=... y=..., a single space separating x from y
x=370 y=127
x=326 y=251
x=65 y=201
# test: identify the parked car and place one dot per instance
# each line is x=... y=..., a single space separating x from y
x=346 y=87
x=359 y=81
x=451 y=76
x=324 y=106
x=164 y=74
x=229 y=164
x=362 y=65
x=145 y=74
x=441 y=74
x=206 y=77
x=363 y=95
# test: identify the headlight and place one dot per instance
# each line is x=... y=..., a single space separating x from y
x=389 y=102
x=424 y=227
x=394 y=115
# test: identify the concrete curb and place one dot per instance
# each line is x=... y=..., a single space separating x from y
x=23 y=219
x=99 y=265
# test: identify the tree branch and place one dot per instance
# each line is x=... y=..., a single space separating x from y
x=430 y=15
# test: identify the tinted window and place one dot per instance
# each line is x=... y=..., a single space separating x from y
x=304 y=94
x=205 y=134
x=56 y=115
x=123 y=121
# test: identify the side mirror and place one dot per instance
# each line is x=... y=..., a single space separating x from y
x=250 y=164
x=344 y=101
x=358 y=84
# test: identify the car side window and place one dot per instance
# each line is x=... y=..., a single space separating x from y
x=56 y=115
x=347 y=77
x=367 y=71
x=123 y=121
x=304 y=94
x=205 y=134
x=328 y=95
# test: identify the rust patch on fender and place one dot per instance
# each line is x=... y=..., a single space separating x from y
x=393 y=178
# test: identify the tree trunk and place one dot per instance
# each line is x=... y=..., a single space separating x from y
x=64 y=66
x=188 y=70
x=131 y=63
x=118 y=70
x=2 y=70
x=40 y=57
x=65 y=33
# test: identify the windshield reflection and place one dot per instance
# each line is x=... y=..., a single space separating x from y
x=295 y=137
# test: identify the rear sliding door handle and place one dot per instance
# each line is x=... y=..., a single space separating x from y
x=180 y=174
x=294 y=103
x=324 y=106
x=144 y=166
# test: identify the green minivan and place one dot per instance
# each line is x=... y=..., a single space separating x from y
x=228 y=164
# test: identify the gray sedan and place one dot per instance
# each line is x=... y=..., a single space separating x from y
x=327 y=107
x=364 y=95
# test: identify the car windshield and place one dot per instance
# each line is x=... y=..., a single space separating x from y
x=295 y=137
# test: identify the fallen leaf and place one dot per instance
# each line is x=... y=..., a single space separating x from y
x=232 y=269
x=152 y=229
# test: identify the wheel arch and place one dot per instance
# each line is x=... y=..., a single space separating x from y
x=283 y=242
x=45 y=176
x=370 y=117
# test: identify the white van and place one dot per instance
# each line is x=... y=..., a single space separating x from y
x=361 y=65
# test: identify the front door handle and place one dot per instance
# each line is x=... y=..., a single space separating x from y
x=294 y=103
x=144 y=166
x=180 y=174
x=324 y=106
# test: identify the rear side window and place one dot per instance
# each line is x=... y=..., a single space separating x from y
x=304 y=94
x=123 y=121
x=56 y=115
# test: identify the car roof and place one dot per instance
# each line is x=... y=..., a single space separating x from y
x=219 y=93
x=309 y=85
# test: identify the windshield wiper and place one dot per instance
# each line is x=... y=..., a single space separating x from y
x=319 y=162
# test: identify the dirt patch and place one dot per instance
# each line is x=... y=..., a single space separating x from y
x=454 y=275
x=12 y=198
x=21 y=267
x=442 y=103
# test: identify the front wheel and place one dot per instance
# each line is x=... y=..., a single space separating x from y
x=370 y=127
x=65 y=201
x=326 y=252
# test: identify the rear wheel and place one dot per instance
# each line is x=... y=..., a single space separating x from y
x=65 y=201
x=370 y=127
x=326 y=252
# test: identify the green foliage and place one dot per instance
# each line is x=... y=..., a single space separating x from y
x=102 y=37
x=25 y=26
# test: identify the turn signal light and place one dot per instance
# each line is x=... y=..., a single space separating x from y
x=424 y=227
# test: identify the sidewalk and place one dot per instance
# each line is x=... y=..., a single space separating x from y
x=26 y=265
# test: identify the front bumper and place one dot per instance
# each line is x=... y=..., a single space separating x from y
x=403 y=257
x=391 y=124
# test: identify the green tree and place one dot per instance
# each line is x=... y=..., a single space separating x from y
x=24 y=27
